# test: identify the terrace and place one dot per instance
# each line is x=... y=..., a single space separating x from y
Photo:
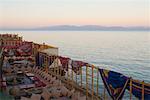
x=24 y=81
x=46 y=76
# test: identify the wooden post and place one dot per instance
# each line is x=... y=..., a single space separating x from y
x=97 y=82
x=131 y=88
x=33 y=53
x=50 y=62
x=68 y=76
x=92 y=82
x=72 y=73
x=35 y=49
x=53 y=61
x=54 y=64
x=143 y=90
x=76 y=78
x=39 y=59
x=57 y=65
x=60 y=68
x=81 y=76
x=46 y=64
x=86 y=81
x=60 y=71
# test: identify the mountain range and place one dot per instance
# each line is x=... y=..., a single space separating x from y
x=83 y=28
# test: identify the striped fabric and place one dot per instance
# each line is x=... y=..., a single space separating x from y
x=64 y=61
x=76 y=65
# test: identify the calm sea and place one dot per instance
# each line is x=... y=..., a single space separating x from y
x=125 y=52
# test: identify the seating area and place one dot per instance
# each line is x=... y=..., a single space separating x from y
x=55 y=88
x=35 y=84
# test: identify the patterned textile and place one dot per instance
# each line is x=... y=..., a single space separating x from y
x=76 y=66
x=64 y=61
x=25 y=49
x=137 y=90
x=114 y=82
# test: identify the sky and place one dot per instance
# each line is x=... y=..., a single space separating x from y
x=37 y=13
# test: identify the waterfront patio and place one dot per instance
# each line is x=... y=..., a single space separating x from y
x=25 y=82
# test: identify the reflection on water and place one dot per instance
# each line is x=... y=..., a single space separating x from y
x=125 y=52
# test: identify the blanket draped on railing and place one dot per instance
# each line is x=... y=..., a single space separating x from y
x=114 y=82
x=76 y=65
x=64 y=61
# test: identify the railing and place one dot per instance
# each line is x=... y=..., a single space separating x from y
x=88 y=80
x=1 y=63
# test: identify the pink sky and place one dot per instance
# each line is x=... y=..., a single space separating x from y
x=27 y=13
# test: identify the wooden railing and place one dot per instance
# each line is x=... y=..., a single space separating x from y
x=88 y=81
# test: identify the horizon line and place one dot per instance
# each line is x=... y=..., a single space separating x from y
x=74 y=25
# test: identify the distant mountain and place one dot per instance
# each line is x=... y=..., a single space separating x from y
x=84 y=28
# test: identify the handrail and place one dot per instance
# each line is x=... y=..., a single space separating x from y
x=94 y=75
